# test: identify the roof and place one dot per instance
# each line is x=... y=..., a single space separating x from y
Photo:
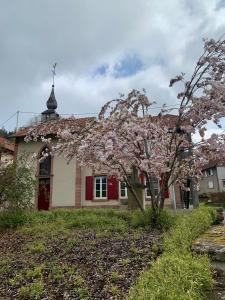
x=52 y=103
x=4 y=143
x=214 y=163
x=170 y=120
x=53 y=126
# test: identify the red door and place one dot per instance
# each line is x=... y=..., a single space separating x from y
x=44 y=194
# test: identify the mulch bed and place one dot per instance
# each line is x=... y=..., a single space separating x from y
x=83 y=264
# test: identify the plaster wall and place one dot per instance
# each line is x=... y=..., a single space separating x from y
x=63 y=175
x=221 y=177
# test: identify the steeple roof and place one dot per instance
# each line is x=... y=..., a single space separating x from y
x=52 y=103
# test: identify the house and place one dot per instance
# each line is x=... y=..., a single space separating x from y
x=213 y=178
x=6 y=150
x=68 y=185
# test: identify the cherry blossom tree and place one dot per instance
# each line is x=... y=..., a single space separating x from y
x=128 y=142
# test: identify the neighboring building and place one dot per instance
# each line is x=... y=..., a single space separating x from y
x=68 y=185
x=6 y=150
x=213 y=178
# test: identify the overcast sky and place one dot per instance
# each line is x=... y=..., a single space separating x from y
x=102 y=47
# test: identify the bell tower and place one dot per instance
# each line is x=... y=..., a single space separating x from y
x=50 y=113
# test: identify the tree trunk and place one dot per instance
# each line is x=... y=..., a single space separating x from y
x=132 y=201
x=195 y=198
x=136 y=195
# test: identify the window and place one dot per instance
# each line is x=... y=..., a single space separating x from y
x=223 y=181
x=44 y=179
x=45 y=163
x=210 y=184
x=100 y=187
x=123 y=189
x=208 y=172
x=156 y=188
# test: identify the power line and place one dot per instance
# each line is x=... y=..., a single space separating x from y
x=76 y=114
x=71 y=114
x=9 y=119
x=96 y=113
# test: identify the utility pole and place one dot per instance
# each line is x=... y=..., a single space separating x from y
x=17 y=120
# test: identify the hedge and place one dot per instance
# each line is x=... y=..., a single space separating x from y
x=178 y=274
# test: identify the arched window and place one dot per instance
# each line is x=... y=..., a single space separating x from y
x=45 y=163
x=44 y=178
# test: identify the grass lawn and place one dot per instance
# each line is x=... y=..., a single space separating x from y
x=76 y=254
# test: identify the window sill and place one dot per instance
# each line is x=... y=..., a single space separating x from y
x=100 y=200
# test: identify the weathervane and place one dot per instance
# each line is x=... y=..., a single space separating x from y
x=53 y=73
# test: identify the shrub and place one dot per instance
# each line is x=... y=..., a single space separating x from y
x=165 y=221
x=16 y=184
x=12 y=218
x=178 y=274
x=187 y=228
x=175 y=277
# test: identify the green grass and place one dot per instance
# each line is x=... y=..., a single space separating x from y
x=65 y=219
x=13 y=218
x=37 y=247
x=32 y=291
x=165 y=221
x=177 y=274
x=45 y=250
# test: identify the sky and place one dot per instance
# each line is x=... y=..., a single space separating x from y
x=102 y=48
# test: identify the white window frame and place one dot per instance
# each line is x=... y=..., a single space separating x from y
x=146 y=195
x=100 y=177
x=210 y=184
x=122 y=197
x=208 y=172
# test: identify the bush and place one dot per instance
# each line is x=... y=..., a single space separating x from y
x=174 y=277
x=16 y=184
x=12 y=218
x=165 y=221
x=187 y=228
x=177 y=274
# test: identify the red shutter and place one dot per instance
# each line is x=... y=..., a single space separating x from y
x=166 y=191
x=89 y=187
x=112 y=188
x=142 y=178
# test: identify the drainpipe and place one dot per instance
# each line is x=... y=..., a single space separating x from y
x=174 y=198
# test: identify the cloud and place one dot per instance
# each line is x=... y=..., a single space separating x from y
x=102 y=48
